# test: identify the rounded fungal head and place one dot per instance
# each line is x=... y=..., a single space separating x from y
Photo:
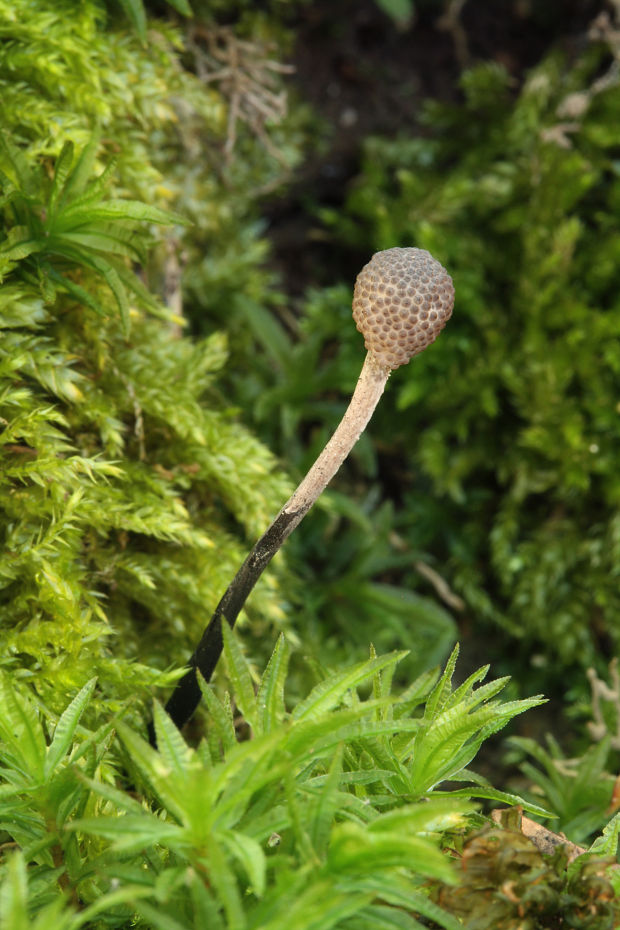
x=402 y=300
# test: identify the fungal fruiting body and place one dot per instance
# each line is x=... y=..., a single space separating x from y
x=402 y=300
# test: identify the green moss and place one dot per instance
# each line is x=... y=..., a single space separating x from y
x=129 y=487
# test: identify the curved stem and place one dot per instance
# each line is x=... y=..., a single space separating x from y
x=369 y=388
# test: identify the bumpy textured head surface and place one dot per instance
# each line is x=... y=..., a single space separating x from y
x=402 y=300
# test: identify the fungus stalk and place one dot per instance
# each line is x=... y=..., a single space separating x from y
x=368 y=390
x=402 y=300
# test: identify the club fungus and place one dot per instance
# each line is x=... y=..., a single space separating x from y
x=402 y=300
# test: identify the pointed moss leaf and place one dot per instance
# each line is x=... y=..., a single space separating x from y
x=415 y=694
x=445 y=766
x=592 y=765
x=170 y=744
x=533 y=748
x=328 y=693
x=320 y=906
x=7 y=792
x=61 y=172
x=449 y=742
x=134 y=10
x=130 y=832
x=275 y=819
x=66 y=727
x=80 y=293
x=222 y=878
x=113 y=281
x=356 y=849
x=378 y=916
x=128 y=894
x=92 y=748
x=443 y=740
x=396 y=890
x=250 y=856
x=607 y=843
x=506 y=711
x=181 y=6
x=317 y=736
x=221 y=716
x=466 y=688
x=377 y=678
x=424 y=817
x=240 y=678
x=153 y=769
x=14 y=893
x=326 y=805
x=248 y=767
x=156 y=918
x=471 y=777
x=470 y=699
x=120 y=799
x=133 y=283
x=16 y=910
x=356 y=778
x=427 y=908
x=203 y=754
x=401 y=11
x=206 y=910
x=442 y=689
x=81 y=175
x=16 y=167
x=268 y=332
x=76 y=208
x=21 y=730
x=101 y=242
x=270 y=697
x=19 y=244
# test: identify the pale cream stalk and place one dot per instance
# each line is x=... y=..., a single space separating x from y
x=368 y=390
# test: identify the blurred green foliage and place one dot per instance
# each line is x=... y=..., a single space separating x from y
x=501 y=454
x=513 y=417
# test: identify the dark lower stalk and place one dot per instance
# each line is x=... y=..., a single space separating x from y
x=186 y=696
